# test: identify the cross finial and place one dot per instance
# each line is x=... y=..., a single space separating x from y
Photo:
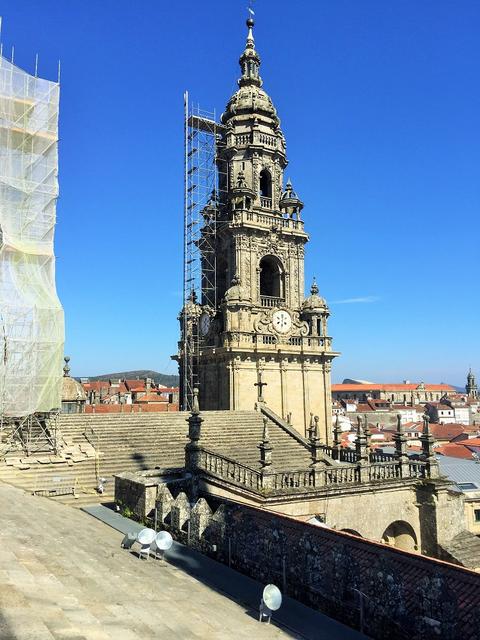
x=260 y=384
x=66 y=368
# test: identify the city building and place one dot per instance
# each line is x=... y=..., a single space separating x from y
x=402 y=393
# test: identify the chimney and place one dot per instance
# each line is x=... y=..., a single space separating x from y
x=148 y=385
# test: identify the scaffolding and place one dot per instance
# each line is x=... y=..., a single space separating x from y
x=31 y=316
x=205 y=183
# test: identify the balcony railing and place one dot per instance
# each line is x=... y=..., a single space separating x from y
x=271 y=301
x=265 y=203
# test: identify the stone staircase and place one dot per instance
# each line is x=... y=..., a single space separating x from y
x=102 y=445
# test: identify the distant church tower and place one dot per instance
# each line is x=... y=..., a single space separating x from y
x=471 y=386
x=265 y=330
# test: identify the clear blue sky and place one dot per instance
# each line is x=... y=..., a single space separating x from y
x=380 y=106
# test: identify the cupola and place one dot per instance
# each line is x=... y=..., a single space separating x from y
x=290 y=203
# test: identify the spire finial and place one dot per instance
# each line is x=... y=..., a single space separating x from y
x=66 y=368
x=314 y=287
x=250 y=60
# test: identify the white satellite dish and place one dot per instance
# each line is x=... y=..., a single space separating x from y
x=272 y=597
x=163 y=540
x=146 y=536
x=271 y=601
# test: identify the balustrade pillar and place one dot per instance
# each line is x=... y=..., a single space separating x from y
x=266 y=449
x=428 y=453
x=193 y=448
x=400 y=440
x=361 y=451
x=337 y=439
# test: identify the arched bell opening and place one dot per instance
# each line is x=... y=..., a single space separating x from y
x=272 y=278
x=265 y=184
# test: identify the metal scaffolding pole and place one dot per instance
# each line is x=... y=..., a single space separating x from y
x=203 y=199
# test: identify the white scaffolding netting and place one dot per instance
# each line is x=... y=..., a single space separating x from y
x=31 y=316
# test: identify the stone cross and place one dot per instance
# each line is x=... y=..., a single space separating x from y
x=260 y=384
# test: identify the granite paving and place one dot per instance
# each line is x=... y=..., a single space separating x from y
x=63 y=576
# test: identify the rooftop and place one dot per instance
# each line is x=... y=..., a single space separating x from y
x=63 y=575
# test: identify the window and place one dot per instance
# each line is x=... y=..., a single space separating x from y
x=271 y=277
x=476 y=513
x=265 y=183
x=465 y=486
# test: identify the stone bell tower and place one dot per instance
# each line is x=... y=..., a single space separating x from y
x=265 y=330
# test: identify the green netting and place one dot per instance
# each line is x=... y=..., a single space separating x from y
x=31 y=316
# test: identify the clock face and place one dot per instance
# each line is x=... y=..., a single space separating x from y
x=204 y=324
x=281 y=321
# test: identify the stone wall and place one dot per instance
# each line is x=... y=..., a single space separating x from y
x=404 y=595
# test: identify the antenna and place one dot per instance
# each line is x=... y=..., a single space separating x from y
x=13 y=53
x=145 y=537
x=36 y=65
x=271 y=601
x=59 y=69
x=163 y=542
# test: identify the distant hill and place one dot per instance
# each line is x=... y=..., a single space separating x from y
x=160 y=378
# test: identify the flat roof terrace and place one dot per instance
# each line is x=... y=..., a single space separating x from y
x=64 y=576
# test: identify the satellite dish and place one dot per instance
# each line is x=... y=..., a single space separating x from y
x=146 y=536
x=272 y=597
x=163 y=540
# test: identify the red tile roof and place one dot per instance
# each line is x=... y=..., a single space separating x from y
x=454 y=451
x=151 y=397
x=446 y=431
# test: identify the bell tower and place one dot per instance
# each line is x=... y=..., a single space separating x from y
x=264 y=329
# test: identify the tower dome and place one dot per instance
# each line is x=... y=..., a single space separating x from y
x=314 y=302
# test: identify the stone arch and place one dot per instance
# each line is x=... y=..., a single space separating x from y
x=401 y=535
x=272 y=277
x=265 y=183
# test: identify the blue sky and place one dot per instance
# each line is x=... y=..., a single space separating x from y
x=379 y=103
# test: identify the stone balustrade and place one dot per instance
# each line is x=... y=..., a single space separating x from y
x=267 y=219
x=234 y=338
x=229 y=469
x=307 y=479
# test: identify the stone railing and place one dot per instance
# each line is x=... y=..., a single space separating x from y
x=229 y=469
x=265 y=203
x=384 y=471
x=268 y=219
x=417 y=469
x=376 y=456
x=310 y=479
x=306 y=342
x=271 y=301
